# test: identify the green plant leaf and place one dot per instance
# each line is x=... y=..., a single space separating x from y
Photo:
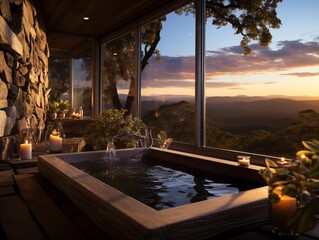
x=314 y=184
x=282 y=171
x=270 y=163
x=290 y=190
x=273 y=198
x=311 y=146
x=314 y=170
x=303 y=220
x=266 y=174
x=304 y=152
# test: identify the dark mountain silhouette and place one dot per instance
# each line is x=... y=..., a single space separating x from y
x=242 y=114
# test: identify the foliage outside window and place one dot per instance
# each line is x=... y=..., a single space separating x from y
x=253 y=103
x=262 y=102
x=168 y=76
x=82 y=82
x=59 y=79
x=119 y=73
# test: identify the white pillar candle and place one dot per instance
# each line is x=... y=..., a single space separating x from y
x=55 y=143
x=26 y=150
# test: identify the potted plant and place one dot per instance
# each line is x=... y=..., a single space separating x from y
x=63 y=108
x=111 y=123
x=163 y=140
x=294 y=190
x=52 y=111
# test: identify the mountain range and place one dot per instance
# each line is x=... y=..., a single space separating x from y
x=241 y=114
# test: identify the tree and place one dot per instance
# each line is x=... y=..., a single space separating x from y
x=250 y=18
x=59 y=75
x=119 y=62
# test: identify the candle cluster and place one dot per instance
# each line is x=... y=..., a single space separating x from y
x=76 y=115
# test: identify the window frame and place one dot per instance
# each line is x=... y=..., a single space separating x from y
x=200 y=98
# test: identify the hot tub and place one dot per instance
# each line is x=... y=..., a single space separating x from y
x=123 y=217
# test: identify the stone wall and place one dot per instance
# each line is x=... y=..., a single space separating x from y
x=24 y=56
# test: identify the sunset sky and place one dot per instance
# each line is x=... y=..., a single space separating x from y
x=290 y=66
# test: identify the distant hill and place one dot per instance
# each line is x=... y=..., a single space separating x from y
x=241 y=114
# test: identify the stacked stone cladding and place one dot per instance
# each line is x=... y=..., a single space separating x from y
x=24 y=54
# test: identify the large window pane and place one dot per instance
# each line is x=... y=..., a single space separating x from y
x=266 y=102
x=82 y=82
x=59 y=79
x=168 y=75
x=119 y=73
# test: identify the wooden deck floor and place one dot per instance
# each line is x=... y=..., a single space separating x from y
x=32 y=208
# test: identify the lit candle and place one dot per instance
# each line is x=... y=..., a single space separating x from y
x=282 y=161
x=243 y=160
x=76 y=115
x=26 y=150
x=55 y=142
x=282 y=211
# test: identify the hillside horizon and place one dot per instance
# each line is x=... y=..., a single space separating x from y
x=243 y=114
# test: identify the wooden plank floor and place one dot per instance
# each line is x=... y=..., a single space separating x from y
x=32 y=208
x=52 y=220
x=16 y=221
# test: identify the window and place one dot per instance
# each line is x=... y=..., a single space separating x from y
x=168 y=75
x=265 y=102
x=59 y=76
x=119 y=73
x=82 y=82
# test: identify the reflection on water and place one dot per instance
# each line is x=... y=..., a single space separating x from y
x=158 y=186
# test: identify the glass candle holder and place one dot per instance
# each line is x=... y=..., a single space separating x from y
x=243 y=161
x=25 y=147
x=54 y=137
x=281 y=211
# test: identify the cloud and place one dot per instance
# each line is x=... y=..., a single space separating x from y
x=170 y=68
x=285 y=56
x=302 y=74
x=162 y=83
x=270 y=83
x=225 y=85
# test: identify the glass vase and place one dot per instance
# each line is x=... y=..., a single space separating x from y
x=25 y=146
x=54 y=137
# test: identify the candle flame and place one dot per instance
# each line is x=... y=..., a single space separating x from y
x=26 y=142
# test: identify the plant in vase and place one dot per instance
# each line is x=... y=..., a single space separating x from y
x=111 y=123
x=294 y=190
x=53 y=109
x=58 y=109
x=163 y=140
x=63 y=108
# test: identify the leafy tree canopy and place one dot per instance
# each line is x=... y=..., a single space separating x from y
x=250 y=18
